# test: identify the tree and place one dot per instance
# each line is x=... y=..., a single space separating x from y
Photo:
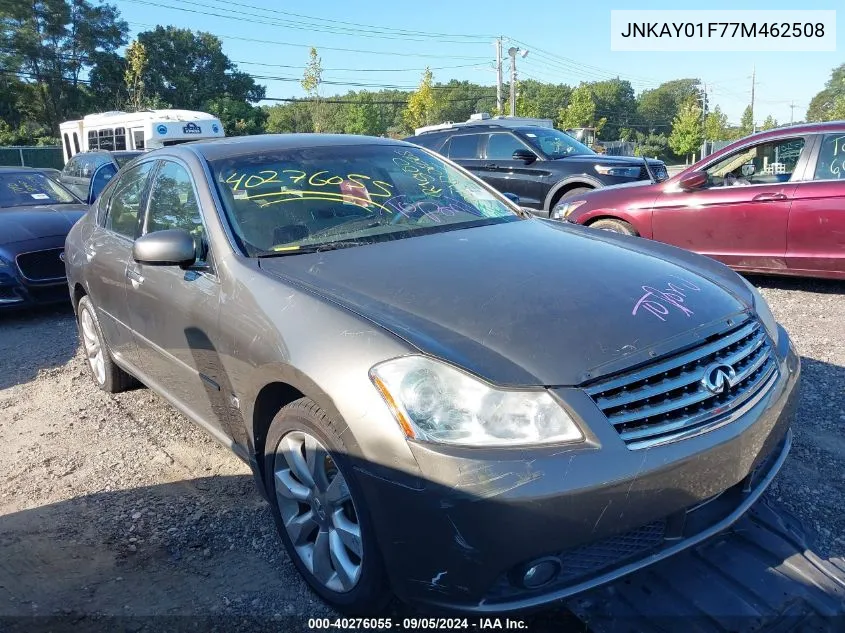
x=615 y=102
x=51 y=44
x=581 y=111
x=311 y=79
x=837 y=110
x=187 y=69
x=687 y=134
x=363 y=117
x=290 y=117
x=652 y=145
x=716 y=125
x=422 y=104
x=746 y=124
x=107 y=83
x=769 y=124
x=657 y=108
x=541 y=100
x=136 y=65
x=238 y=117
x=823 y=105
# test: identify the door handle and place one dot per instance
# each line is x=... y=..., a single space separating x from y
x=135 y=277
x=768 y=197
x=491 y=166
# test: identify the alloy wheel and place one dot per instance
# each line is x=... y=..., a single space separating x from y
x=318 y=512
x=93 y=346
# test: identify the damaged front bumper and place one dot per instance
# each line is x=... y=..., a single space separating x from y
x=466 y=539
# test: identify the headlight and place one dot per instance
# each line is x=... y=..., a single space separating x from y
x=4 y=263
x=764 y=312
x=623 y=172
x=564 y=209
x=435 y=402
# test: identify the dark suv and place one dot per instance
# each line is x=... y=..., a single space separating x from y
x=77 y=172
x=539 y=164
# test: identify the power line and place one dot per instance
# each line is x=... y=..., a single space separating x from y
x=241 y=16
x=330 y=48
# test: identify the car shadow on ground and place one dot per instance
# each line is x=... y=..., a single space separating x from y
x=806 y=284
x=21 y=355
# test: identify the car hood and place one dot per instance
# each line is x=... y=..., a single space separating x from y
x=18 y=224
x=529 y=302
x=604 y=159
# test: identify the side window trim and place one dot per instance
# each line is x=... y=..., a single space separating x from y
x=207 y=265
x=509 y=133
x=800 y=166
x=142 y=205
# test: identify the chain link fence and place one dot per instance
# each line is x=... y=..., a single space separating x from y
x=32 y=156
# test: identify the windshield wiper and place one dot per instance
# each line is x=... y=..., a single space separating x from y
x=312 y=248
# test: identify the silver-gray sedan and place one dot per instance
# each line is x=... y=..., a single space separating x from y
x=440 y=396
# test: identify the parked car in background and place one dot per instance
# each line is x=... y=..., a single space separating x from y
x=773 y=202
x=429 y=406
x=78 y=171
x=539 y=164
x=36 y=214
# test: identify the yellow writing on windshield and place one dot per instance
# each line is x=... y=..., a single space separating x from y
x=324 y=178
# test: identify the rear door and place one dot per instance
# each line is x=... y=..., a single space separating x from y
x=465 y=149
x=108 y=251
x=527 y=180
x=816 y=237
x=741 y=215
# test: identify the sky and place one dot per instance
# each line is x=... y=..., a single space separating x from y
x=370 y=44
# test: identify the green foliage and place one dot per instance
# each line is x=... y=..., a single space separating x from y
x=716 y=125
x=540 y=100
x=827 y=104
x=422 y=104
x=769 y=124
x=238 y=117
x=187 y=69
x=311 y=80
x=615 y=104
x=652 y=145
x=52 y=43
x=687 y=133
x=746 y=123
x=133 y=75
x=363 y=117
x=26 y=134
x=581 y=111
x=657 y=108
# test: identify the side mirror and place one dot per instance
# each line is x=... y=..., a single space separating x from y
x=525 y=155
x=173 y=247
x=693 y=180
x=102 y=175
x=511 y=196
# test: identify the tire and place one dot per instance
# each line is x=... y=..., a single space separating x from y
x=615 y=226
x=299 y=429
x=106 y=374
x=577 y=191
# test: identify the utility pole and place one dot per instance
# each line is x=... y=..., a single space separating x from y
x=704 y=109
x=498 y=44
x=791 y=112
x=753 y=81
x=512 y=51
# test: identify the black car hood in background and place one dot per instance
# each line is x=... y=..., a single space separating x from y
x=528 y=302
x=18 y=224
x=605 y=159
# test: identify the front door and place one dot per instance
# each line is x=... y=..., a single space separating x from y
x=529 y=181
x=741 y=215
x=465 y=149
x=108 y=251
x=816 y=238
x=174 y=311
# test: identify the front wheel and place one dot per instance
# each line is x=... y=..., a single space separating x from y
x=319 y=510
x=614 y=226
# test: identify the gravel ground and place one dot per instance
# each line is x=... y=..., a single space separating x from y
x=117 y=506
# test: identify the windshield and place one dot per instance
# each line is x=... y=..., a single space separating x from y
x=31 y=189
x=124 y=157
x=330 y=197
x=554 y=143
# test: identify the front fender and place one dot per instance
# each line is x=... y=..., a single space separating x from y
x=641 y=220
x=578 y=179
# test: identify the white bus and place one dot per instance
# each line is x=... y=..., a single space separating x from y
x=147 y=129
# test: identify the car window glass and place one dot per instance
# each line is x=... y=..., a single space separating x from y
x=502 y=146
x=464 y=146
x=126 y=200
x=71 y=168
x=86 y=166
x=766 y=163
x=831 y=162
x=173 y=205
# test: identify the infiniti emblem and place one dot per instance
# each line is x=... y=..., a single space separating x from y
x=719 y=378
x=62 y=256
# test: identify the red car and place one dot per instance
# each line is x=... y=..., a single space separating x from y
x=773 y=202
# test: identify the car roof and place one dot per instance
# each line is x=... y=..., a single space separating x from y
x=239 y=145
x=16 y=169
x=477 y=128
